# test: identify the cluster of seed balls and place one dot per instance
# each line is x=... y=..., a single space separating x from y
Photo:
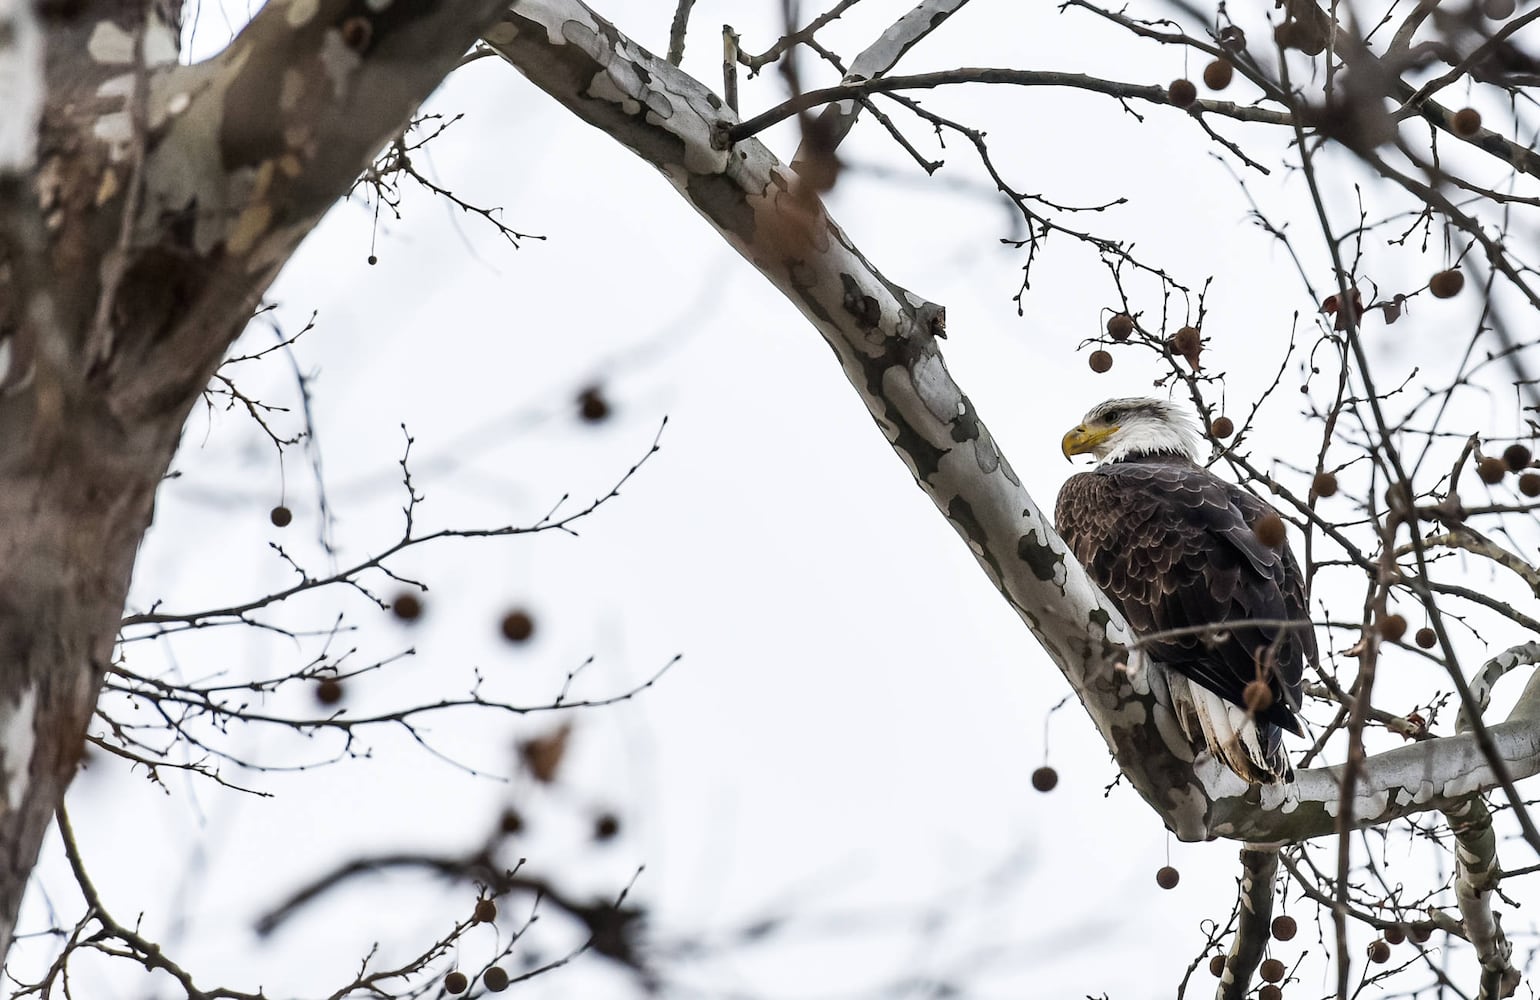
x=1217 y=75
x=1515 y=458
x=1465 y=123
x=1046 y=779
x=495 y=979
x=517 y=626
x=1285 y=927
x=1188 y=341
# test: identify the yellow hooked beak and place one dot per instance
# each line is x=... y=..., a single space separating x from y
x=1082 y=439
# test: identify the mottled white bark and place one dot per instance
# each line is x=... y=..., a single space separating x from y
x=885 y=339
x=21 y=84
x=1523 y=655
x=1477 y=874
x=159 y=204
x=1254 y=916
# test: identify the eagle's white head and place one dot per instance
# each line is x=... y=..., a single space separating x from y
x=1125 y=428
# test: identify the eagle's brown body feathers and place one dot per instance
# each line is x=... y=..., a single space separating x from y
x=1173 y=546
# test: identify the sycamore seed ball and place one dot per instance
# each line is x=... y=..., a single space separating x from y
x=1218 y=74
x=1101 y=362
x=407 y=607
x=1498 y=10
x=1216 y=966
x=280 y=516
x=456 y=983
x=1466 y=123
x=1223 y=427
x=356 y=33
x=1284 y=928
x=1421 y=933
x=1446 y=284
x=328 y=691
x=496 y=979
x=1272 y=970
x=1311 y=43
x=1391 y=627
x=592 y=406
x=518 y=626
x=1491 y=470
x=1270 y=992
x=1517 y=456
x=1120 y=326
x=1324 y=484
x=1182 y=93
x=1426 y=638
x=606 y=827
x=1269 y=530
x=1395 y=934
x=1529 y=484
x=1379 y=952
x=1045 y=779
x=1257 y=696
x=486 y=911
x=1167 y=877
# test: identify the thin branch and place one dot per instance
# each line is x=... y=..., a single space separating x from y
x=1151 y=93
x=676 y=32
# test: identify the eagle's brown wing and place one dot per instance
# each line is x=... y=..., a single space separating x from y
x=1172 y=545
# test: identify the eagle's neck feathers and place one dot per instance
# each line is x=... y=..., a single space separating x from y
x=1171 y=437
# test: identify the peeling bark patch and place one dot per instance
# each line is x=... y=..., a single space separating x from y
x=924 y=457
x=718 y=199
x=18 y=738
x=301 y=12
x=965 y=426
x=21 y=88
x=156 y=291
x=341 y=60
x=249 y=227
x=587 y=40
x=862 y=307
x=110 y=44
x=1041 y=558
x=961 y=514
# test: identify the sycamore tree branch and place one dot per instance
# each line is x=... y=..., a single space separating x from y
x=1477 y=873
x=1152 y=93
x=1476 y=543
x=1254 y=912
x=885 y=339
x=839 y=117
x=1523 y=655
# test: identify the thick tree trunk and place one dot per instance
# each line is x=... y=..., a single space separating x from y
x=160 y=203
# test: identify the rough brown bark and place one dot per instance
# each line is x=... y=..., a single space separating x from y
x=162 y=203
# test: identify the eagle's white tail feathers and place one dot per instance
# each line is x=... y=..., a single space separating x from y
x=1228 y=731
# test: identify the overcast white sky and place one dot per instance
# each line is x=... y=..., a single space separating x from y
x=847 y=740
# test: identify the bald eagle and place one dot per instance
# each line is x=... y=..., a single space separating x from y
x=1173 y=546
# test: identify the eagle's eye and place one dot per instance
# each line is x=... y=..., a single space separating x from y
x=1112 y=416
